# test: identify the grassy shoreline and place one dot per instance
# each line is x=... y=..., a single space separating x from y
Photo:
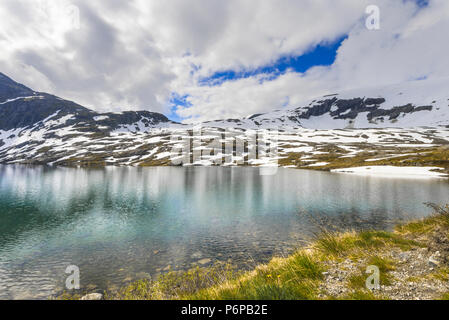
x=413 y=261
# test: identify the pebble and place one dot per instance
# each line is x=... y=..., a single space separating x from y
x=433 y=262
x=413 y=263
x=93 y=296
x=204 y=261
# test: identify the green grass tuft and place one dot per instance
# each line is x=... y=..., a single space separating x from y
x=293 y=278
x=427 y=225
x=176 y=284
x=445 y=296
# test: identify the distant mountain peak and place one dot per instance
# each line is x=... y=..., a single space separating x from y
x=405 y=105
x=9 y=89
x=23 y=108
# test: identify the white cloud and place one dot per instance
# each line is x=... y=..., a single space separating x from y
x=134 y=54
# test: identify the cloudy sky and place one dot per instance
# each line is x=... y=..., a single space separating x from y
x=211 y=59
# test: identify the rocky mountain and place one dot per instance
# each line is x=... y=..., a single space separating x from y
x=378 y=123
x=23 y=109
x=411 y=104
x=10 y=89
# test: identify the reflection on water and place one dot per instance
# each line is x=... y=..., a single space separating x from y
x=121 y=224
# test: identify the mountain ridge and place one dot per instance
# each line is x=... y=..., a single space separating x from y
x=43 y=129
x=21 y=107
x=411 y=104
x=9 y=89
x=403 y=105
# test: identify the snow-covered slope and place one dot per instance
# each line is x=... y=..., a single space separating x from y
x=24 y=109
x=411 y=104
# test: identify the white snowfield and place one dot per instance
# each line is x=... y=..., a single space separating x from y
x=394 y=172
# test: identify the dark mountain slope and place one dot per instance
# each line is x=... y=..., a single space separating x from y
x=21 y=107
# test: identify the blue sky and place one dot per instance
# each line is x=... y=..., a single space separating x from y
x=422 y=3
x=177 y=101
x=320 y=55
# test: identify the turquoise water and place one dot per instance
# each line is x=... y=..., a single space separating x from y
x=122 y=224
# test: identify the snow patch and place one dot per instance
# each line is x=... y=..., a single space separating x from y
x=395 y=172
x=100 y=118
